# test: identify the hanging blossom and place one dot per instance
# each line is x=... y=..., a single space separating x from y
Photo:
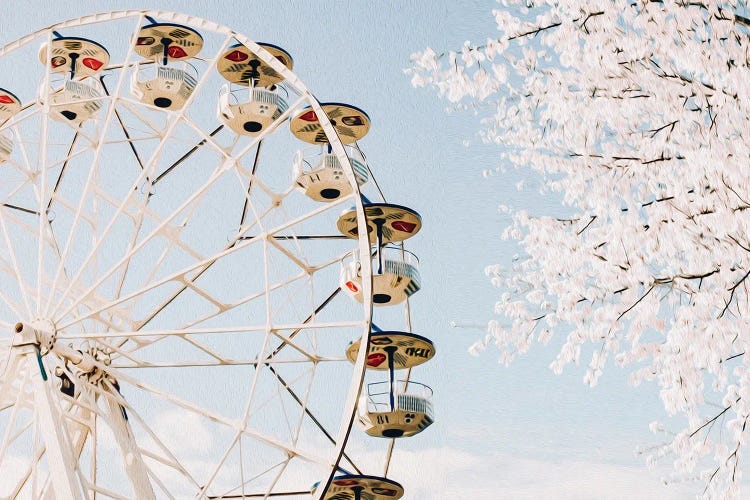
x=638 y=114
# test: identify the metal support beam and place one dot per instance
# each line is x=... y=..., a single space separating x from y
x=133 y=463
x=65 y=480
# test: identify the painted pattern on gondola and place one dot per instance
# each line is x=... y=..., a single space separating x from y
x=90 y=57
x=240 y=65
x=9 y=104
x=351 y=124
x=370 y=488
x=411 y=350
x=425 y=423
x=183 y=42
x=400 y=222
x=413 y=287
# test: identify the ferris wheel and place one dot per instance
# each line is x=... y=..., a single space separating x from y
x=192 y=273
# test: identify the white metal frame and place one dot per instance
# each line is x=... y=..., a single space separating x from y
x=65 y=424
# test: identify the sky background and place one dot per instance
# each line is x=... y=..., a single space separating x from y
x=518 y=432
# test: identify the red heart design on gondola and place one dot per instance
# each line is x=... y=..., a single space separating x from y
x=6 y=99
x=236 y=56
x=404 y=226
x=309 y=116
x=375 y=359
x=176 y=52
x=92 y=63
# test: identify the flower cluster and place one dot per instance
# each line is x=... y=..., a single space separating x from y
x=638 y=114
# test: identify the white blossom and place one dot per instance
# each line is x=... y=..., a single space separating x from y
x=637 y=115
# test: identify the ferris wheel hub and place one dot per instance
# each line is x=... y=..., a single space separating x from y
x=43 y=334
x=40 y=332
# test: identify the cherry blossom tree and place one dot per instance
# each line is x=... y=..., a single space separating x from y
x=637 y=113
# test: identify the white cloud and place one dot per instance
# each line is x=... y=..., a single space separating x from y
x=458 y=474
x=183 y=430
x=433 y=473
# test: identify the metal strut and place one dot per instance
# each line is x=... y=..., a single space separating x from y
x=56 y=440
x=391 y=349
x=358 y=492
x=165 y=42
x=379 y=224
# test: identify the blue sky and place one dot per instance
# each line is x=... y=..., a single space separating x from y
x=517 y=431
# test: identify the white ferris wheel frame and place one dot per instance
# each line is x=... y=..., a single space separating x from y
x=65 y=482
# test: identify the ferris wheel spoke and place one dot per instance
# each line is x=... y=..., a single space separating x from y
x=107 y=492
x=300 y=263
x=252 y=392
x=114 y=319
x=14 y=306
x=128 y=255
x=224 y=362
x=278 y=477
x=187 y=155
x=120 y=355
x=20 y=282
x=231 y=493
x=42 y=172
x=179 y=276
x=27 y=174
x=124 y=129
x=40 y=195
x=126 y=203
x=134 y=466
x=134 y=238
x=223 y=330
x=20 y=209
x=311 y=317
x=275 y=480
x=245 y=300
x=176 y=241
x=236 y=442
x=89 y=183
x=172 y=123
x=194 y=198
x=63 y=168
x=182 y=276
x=135 y=108
x=113 y=415
x=122 y=377
x=9 y=436
x=308 y=413
x=141 y=213
x=263 y=495
x=265 y=329
x=246 y=203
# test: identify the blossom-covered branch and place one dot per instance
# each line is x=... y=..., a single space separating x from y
x=635 y=113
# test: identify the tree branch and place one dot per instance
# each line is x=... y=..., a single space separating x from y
x=635 y=303
x=714 y=419
x=731 y=295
